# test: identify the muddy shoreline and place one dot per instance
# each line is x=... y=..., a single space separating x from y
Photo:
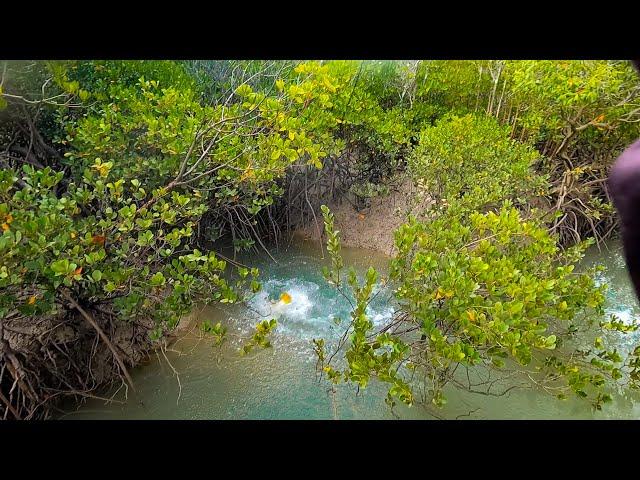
x=372 y=227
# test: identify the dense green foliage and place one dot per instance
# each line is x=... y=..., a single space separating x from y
x=123 y=253
x=484 y=284
x=487 y=291
x=578 y=114
x=472 y=163
x=118 y=177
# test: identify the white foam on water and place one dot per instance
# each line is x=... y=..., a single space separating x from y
x=380 y=318
x=299 y=307
x=312 y=310
x=625 y=316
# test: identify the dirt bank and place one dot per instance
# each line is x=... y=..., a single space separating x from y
x=372 y=227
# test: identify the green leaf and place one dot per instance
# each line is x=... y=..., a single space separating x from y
x=60 y=267
x=550 y=342
x=157 y=279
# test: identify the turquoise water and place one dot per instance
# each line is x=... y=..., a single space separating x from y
x=281 y=383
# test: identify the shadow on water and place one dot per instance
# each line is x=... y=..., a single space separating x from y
x=280 y=383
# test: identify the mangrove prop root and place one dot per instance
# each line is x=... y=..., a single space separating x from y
x=11 y=408
x=104 y=338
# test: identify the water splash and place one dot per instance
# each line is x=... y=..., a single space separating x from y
x=315 y=310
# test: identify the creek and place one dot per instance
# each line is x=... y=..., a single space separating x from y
x=281 y=382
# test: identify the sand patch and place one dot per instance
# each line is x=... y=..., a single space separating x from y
x=372 y=227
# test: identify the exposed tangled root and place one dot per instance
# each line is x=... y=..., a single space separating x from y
x=584 y=206
x=46 y=360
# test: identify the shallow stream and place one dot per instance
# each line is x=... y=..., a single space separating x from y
x=280 y=382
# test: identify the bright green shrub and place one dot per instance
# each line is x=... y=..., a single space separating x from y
x=451 y=86
x=492 y=291
x=139 y=259
x=99 y=75
x=472 y=162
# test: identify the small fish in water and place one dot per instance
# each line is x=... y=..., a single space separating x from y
x=285 y=298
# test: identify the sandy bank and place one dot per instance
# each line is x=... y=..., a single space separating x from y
x=372 y=227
